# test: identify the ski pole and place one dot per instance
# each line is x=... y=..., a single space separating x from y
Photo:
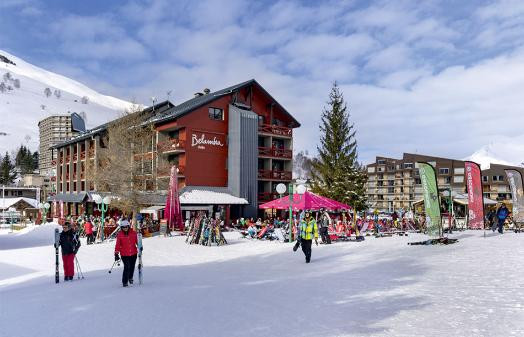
x=78 y=269
x=117 y=261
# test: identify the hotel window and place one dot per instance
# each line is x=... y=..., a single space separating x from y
x=408 y=165
x=443 y=171
x=501 y=178
x=216 y=114
x=495 y=178
x=485 y=178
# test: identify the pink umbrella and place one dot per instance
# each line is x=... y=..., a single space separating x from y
x=173 y=213
x=308 y=200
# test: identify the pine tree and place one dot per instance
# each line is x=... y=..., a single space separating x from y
x=7 y=170
x=336 y=172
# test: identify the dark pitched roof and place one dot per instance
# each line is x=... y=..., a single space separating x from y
x=199 y=101
x=156 y=110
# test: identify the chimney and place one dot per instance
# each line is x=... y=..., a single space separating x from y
x=207 y=91
x=198 y=94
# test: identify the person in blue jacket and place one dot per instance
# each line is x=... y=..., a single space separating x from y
x=502 y=214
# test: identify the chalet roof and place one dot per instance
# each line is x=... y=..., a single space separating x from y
x=196 y=102
x=5 y=203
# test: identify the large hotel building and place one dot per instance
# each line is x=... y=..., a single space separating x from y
x=395 y=184
x=232 y=144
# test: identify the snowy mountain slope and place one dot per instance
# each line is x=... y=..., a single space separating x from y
x=21 y=108
x=505 y=151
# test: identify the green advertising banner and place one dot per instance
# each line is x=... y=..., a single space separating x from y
x=431 y=198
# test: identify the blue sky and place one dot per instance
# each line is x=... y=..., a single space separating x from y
x=431 y=77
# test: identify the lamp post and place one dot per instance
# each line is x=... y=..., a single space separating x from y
x=301 y=189
x=102 y=204
x=44 y=207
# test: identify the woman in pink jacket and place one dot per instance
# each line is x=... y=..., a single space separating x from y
x=126 y=248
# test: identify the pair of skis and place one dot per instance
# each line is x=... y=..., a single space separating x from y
x=140 y=248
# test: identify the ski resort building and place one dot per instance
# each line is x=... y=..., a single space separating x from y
x=231 y=147
x=54 y=130
x=395 y=184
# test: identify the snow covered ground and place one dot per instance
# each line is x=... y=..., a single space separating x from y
x=379 y=287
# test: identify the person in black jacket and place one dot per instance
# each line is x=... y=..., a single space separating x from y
x=70 y=244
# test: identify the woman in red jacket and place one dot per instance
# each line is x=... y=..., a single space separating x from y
x=126 y=247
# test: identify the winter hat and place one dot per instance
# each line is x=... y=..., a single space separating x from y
x=124 y=223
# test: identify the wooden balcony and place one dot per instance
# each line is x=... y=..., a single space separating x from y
x=275 y=152
x=53 y=162
x=267 y=196
x=274 y=175
x=172 y=146
x=165 y=171
x=275 y=130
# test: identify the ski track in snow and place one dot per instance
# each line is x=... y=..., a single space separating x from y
x=379 y=287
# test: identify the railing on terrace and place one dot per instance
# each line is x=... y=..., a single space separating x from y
x=275 y=130
x=275 y=152
x=267 y=196
x=274 y=175
x=171 y=145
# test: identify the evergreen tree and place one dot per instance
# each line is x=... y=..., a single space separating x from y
x=25 y=160
x=336 y=172
x=7 y=170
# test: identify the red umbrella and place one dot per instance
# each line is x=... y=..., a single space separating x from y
x=308 y=200
x=173 y=213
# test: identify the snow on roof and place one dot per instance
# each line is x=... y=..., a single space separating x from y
x=9 y=202
x=209 y=196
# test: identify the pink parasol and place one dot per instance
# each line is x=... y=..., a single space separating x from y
x=173 y=213
x=308 y=200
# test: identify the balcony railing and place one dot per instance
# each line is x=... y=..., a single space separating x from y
x=171 y=145
x=165 y=171
x=53 y=162
x=275 y=152
x=82 y=155
x=53 y=178
x=267 y=196
x=274 y=175
x=275 y=130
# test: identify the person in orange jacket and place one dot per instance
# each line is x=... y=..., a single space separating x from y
x=126 y=249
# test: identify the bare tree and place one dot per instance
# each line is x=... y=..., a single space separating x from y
x=47 y=92
x=125 y=165
x=84 y=100
x=58 y=93
x=16 y=83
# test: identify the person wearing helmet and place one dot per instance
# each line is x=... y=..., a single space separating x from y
x=308 y=232
x=126 y=249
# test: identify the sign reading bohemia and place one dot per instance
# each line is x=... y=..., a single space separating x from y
x=431 y=198
x=475 y=197
x=515 y=183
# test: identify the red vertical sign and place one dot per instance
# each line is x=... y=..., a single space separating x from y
x=475 y=197
x=173 y=213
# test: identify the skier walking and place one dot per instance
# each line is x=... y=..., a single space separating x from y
x=70 y=243
x=126 y=248
x=502 y=214
x=308 y=232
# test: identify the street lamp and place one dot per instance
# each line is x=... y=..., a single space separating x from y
x=102 y=204
x=44 y=207
x=301 y=189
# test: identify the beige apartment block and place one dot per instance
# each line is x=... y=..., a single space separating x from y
x=394 y=184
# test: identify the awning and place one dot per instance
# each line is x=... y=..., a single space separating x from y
x=196 y=195
x=151 y=209
x=69 y=197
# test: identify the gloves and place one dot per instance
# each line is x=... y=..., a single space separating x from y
x=316 y=242
x=117 y=257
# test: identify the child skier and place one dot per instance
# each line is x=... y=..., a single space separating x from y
x=70 y=244
x=126 y=248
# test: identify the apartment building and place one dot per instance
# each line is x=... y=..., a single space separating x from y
x=395 y=184
x=53 y=130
